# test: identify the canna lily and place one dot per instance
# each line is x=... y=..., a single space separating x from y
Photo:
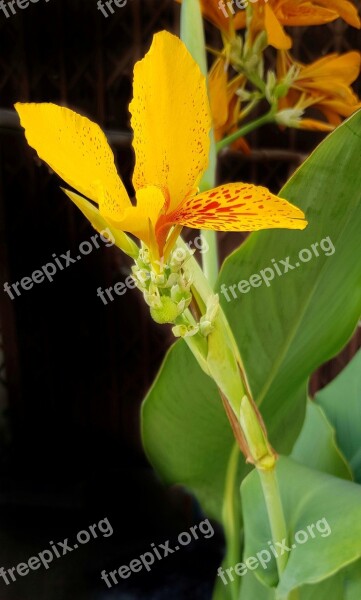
x=324 y=85
x=272 y=15
x=171 y=122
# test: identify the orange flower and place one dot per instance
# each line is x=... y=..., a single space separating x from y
x=324 y=84
x=272 y=15
x=225 y=103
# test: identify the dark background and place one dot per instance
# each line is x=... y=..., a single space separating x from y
x=73 y=372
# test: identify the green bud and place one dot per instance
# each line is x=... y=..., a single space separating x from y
x=290 y=117
x=270 y=86
x=281 y=90
x=167 y=312
x=261 y=453
x=185 y=331
x=205 y=327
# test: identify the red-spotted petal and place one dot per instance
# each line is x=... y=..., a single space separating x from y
x=236 y=207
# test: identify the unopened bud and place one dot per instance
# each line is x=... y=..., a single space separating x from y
x=290 y=117
x=167 y=312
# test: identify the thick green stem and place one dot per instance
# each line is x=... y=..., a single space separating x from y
x=275 y=512
x=222 y=361
x=210 y=258
x=267 y=118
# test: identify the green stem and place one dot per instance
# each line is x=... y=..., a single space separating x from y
x=192 y=34
x=256 y=80
x=231 y=517
x=267 y=118
x=275 y=512
x=210 y=258
x=223 y=363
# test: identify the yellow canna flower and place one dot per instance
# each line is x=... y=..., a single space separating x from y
x=171 y=122
x=324 y=85
x=272 y=15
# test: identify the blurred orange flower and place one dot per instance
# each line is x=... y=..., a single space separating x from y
x=324 y=84
x=272 y=15
x=225 y=103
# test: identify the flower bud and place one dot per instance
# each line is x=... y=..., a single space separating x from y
x=167 y=312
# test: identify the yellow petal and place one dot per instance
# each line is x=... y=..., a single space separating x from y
x=101 y=225
x=77 y=150
x=302 y=13
x=238 y=207
x=171 y=120
x=345 y=110
x=275 y=33
x=217 y=81
x=344 y=68
x=140 y=220
x=346 y=10
x=315 y=125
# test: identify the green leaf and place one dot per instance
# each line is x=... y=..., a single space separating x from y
x=323 y=514
x=186 y=432
x=345 y=585
x=330 y=589
x=316 y=446
x=341 y=401
x=303 y=317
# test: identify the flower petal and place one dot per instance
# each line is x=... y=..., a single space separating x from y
x=238 y=207
x=275 y=33
x=301 y=13
x=140 y=218
x=121 y=240
x=217 y=83
x=346 y=10
x=78 y=151
x=343 y=68
x=171 y=120
x=315 y=125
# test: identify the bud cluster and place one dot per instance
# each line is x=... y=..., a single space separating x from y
x=164 y=285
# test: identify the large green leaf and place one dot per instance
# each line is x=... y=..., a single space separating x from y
x=341 y=401
x=316 y=446
x=305 y=316
x=284 y=330
x=323 y=514
x=345 y=585
x=185 y=429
